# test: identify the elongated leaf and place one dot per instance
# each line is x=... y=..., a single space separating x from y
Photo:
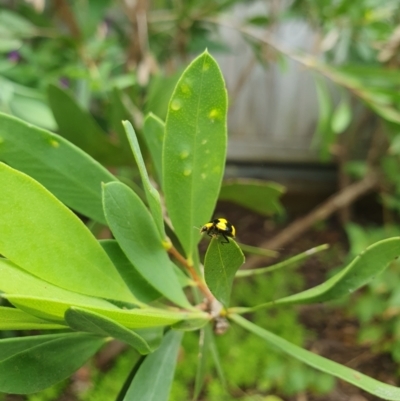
x=203 y=355
x=81 y=129
x=15 y=319
x=220 y=266
x=65 y=170
x=341 y=116
x=254 y=250
x=324 y=135
x=30 y=364
x=137 y=235
x=152 y=195
x=281 y=265
x=372 y=386
x=138 y=285
x=131 y=318
x=257 y=195
x=194 y=148
x=33 y=110
x=153 y=379
x=216 y=358
x=42 y=236
x=119 y=113
x=359 y=272
x=92 y=322
x=153 y=134
x=14 y=280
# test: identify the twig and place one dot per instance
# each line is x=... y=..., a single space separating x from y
x=198 y=280
x=331 y=205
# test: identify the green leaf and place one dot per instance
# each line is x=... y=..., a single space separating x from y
x=359 y=272
x=118 y=113
x=84 y=320
x=17 y=24
x=81 y=128
x=372 y=386
x=220 y=266
x=42 y=236
x=257 y=195
x=203 y=355
x=33 y=110
x=131 y=318
x=153 y=135
x=138 y=285
x=195 y=148
x=65 y=170
x=14 y=280
x=281 y=265
x=341 y=116
x=254 y=250
x=153 y=379
x=324 y=136
x=159 y=93
x=152 y=196
x=15 y=319
x=30 y=364
x=137 y=235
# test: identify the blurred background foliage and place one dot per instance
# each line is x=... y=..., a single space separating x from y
x=80 y=67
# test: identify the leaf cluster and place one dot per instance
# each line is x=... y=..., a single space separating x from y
x=149 y=284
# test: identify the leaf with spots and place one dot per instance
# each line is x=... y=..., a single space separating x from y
x=194 y=148
x=220 y=266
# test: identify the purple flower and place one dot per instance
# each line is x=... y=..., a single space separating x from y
x=14 y=56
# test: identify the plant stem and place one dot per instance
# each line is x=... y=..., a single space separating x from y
x=196 y=278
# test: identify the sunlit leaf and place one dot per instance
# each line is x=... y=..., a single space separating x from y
x=194 y=148
x=137 y=234
x=42 y=236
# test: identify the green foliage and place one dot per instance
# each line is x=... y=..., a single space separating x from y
x=220 y=267
x=50 y=160
x=67 y=255
x=57 y=275
x=260 y=196
x=194 y=148
x=377 y=306
x=32 y=355
x=154 y=376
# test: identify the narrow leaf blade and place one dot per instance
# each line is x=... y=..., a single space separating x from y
x=153 y=379
x=372 y=386
x=84 y=320
x=153 y=135
x=359 y=272
x=136 y=233
x=54 y=310
x=152 y=196
x=195 y=148
x=15 y=319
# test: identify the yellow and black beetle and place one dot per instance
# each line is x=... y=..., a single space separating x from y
x=218 y=227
